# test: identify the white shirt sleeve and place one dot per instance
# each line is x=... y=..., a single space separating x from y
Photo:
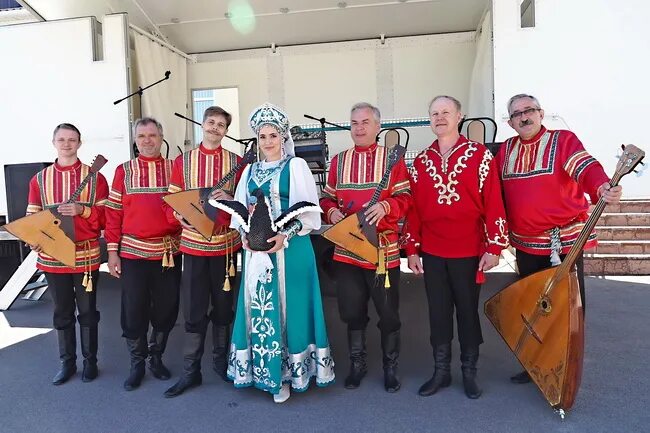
x=303 y=188
x=241 y=194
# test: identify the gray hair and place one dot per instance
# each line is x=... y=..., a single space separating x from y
x=521 y=96
x=147 y=121
x=451 y=98
x=365 y=105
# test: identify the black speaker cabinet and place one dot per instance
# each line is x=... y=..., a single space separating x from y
x=17 y=177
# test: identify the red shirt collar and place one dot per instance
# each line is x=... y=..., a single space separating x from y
x=461 y=140
x=147 y=159
x=74 y=166
x=362 y=149
x=207 y=151
x=535 y=138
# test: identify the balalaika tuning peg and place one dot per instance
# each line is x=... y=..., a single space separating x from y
x=639 y=171
x=619 y=153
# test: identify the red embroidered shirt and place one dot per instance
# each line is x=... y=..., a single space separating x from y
x=544 y=183
x=457 y=205
x=353 y=177
x=136 y=222
x=53 y=186
x=203 y=168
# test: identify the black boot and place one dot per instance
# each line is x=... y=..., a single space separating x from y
x=67 y=354
x=358 y=367
x=390 y=345
x=522 y=377
x=157 y=345
x=468 y=360
x=89 y=351
x=442 y=374
x=221 y=343
x=191 y=365
x=138 y=352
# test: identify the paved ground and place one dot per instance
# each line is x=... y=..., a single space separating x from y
x=611 y=398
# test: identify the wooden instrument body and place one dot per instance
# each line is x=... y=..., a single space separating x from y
x=354 y=234
x=51 y=231
x=545 y=332
x=194 y=207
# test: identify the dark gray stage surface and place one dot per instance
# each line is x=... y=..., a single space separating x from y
x=611 y=399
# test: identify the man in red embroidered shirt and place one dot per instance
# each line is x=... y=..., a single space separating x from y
x=72 y=288
x=545 y=175
x=455 y=230
x=142 y=244
x=208 y=265
x=354 y=175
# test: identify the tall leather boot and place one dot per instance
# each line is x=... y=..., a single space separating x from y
x=157 y=345
x=89 y=351
x=220 y=344
x=194 y=344
x=68 y=355
x=138 y=352
x=468 y=360
x=357 y=349
x=390 y=346
x=442 y=373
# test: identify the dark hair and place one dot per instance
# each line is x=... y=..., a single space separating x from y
x=68 y=126
x=217 y=111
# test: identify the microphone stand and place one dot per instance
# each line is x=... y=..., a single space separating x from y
x=244 y=141
x=323 y=122
x=142 y=89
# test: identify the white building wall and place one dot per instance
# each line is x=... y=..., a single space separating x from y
x=587 y=62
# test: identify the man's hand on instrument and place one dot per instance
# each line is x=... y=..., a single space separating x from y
x=220 y=195
x=70 y=209
x=279 y=243
x=610 y=194
x=336 y=216
x=487 y=262
x=183 y=222
x=114 y=264
x=375 y=213
x=415 y=264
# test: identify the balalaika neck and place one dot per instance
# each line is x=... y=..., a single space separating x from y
x=224 y=180
x=73 y=198
x=576 y=249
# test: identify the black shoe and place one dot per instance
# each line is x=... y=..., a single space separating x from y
x=357 y=348
x=67 y=353
x=138 y=354
x=442 y=375
x=157 y=345
x=183 y=384
x=89 y=343
x=65 y=373
x=522 y=377
x=220 y=344
x=90 y=371
x=468 y=360
x=390 y=346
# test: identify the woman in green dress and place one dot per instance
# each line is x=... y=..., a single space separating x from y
x=279 y=338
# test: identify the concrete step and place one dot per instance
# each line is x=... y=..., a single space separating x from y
x=623 y=233
x=637 y=205
x=622 y=247
x=624 y=219
x=617 y=264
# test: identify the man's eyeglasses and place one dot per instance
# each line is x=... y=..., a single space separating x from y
x=527 y=112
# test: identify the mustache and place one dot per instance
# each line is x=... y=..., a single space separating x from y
x=525 y=123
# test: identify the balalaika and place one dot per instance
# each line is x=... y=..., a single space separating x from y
x=354 y=233
x=52 y=232
x=193 y=204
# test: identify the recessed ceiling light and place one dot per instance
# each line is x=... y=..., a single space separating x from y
x=175 y=20
x=342 y=4
x=284 y=10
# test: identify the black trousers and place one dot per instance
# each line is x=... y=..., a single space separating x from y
x=202 y=286
x=531 y=263
x=69 y=296
x=149 y=294
x=355 y=286
x=452 y=283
